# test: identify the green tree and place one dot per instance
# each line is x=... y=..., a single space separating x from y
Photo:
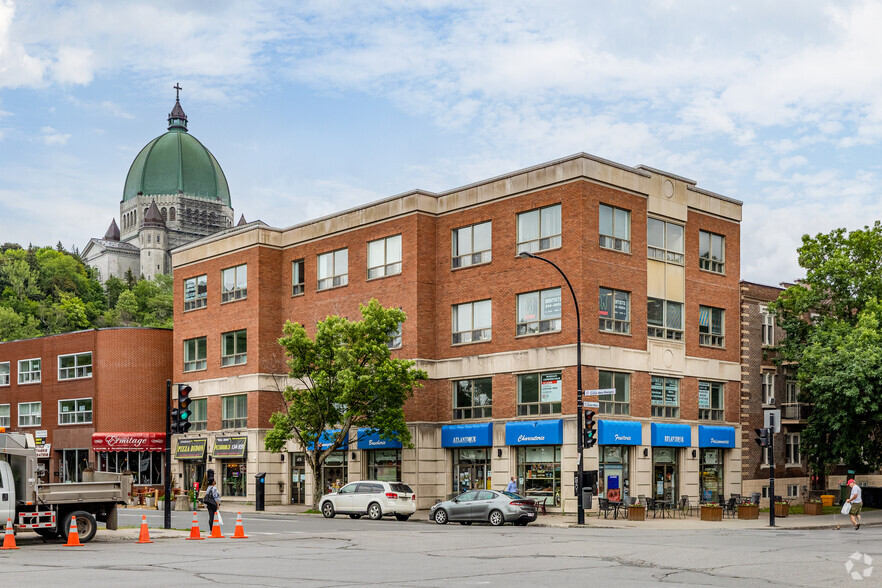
x=113 y=287
x=127 y=306
x=348 y=379
x=14 y=326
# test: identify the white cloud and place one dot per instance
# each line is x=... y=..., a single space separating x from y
x=53 y=138
x=74 y=66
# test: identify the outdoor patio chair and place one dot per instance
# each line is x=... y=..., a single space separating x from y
x=729 y=507
x=651 y=506
x=603 y=504
x=685 y=506
x=540 y=505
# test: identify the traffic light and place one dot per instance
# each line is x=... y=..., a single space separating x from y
x=762 y=437
x=589 y=432
x=180 y=416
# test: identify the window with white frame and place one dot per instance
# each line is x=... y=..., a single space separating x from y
x=195 y=354
x=298 y=277
x=75 y=412
x=471 y=245
x=384 y=257
x=664 y=319
x=395 y=339
x=195 y=292
x=665 y=241
x=791 y=444
x=615 y=228
x=234 y=282
x=29 y=371
x=711 y=252
x=234 y=412
x=614 y=311
x=711 y=404
x=768 y=387
x=539 y=312
x=333 y=269
x=75 y=366
x=199 y=420
x=472 y=322
x=539 y=393
x=473 y=399
x=711 y=322
x=539 y=229
x=792 y=490
x=4 y=373
x=30 y=414
x=4 y=415
x=768 y=325
x=620 y=403
x=234 y=348
x=665 y=394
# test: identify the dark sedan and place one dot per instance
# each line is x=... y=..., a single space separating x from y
x=485 y=506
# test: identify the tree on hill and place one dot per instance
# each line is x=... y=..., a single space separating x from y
x=348 y=380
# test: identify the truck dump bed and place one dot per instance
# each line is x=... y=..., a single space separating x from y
x=82 y=492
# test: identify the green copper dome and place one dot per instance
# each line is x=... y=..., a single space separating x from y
x=177 y=162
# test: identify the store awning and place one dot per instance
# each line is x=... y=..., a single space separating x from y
x=128 y=441
x=368 y=439
x=718 y=437
x=327 y=439
x=230 y=447
x=549 y=432
x=478 y=435
x=671 y=435
x=619 y=433
x=190 y=448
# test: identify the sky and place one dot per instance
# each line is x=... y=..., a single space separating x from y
x=317 y=107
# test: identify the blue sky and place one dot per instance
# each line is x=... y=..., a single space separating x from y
x=315 y=107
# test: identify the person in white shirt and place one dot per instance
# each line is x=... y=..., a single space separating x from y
x=856 y=504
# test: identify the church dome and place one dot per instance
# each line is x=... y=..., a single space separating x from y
x=176 y=162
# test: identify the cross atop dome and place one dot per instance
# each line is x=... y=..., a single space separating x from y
x=177 y=119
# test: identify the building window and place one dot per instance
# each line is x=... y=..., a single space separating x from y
x=196 y=293
x=615 y=228
x=794 y=457
x=472 y=322
x=384 y=257
x=199 y=420
x=614 y=311
x=72 y=367
x=471 y=245
x=75 y=412
x=30 y=414
x=146 y=466
x=195 y=354
x=620 y=403
x=765 y=488
x=395 y=339
x=711 y=252
x=29 y=371
x=333 y=269
x=539 y=229
x=298 y=277
x=664 y=319
x=384 y=464
x=665 y=394
x=539 y=470
x=710 y=401
x=4 y=415
x=768 y=326
x=539 y=393
x=4 y=373
x=235 y=412
x=768 y=387
x=171 y=214
x=792 y=490
x=473 y=399
x=539 y=312
x=792 y=410
x=235 y=283
x=73 y=463
x=664 y=240
x=234 y=346
x=710 y=326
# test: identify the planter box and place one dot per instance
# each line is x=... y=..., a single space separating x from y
x=636 y=513
x=711 y=513
x=782 y=510
x=812 y=508
x=748 y=511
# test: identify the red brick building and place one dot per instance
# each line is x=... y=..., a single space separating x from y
x=654 y=262
x=91 y=399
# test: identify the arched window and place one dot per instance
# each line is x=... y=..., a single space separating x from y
x=164 y=214
x=171 y=213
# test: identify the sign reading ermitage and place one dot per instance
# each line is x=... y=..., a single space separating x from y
x=229 y=446
x=550 y=387
x=190 y=448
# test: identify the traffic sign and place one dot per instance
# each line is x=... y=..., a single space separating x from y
x=601 y=392
x=590 y=404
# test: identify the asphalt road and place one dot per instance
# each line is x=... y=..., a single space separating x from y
x=284 y=550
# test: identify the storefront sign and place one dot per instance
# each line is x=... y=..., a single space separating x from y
x=671 y=435
x=40 y=437
x=43 y=451
x=550 y=387
x=548 y=432
x=128 y=441
x=191 y=448
x=479 y=435
x=227 y=447
x=327 y=439
x=368 y=439
x=551 y=306
x=718 y=437
x=704 y=395
x=619 y=433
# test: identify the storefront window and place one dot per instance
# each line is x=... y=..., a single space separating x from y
x=665 y=474
x=539 y=472
x=614 y=472
x=73 y=462
x=334 y=472
x=235 y=482
x=471 y=469
x=146 y=466
x=710 y=475
x=384 y=464
x=539 y=393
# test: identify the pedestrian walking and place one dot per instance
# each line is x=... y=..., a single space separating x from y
x=512 y=486
x=212 y=502
x=856 y=502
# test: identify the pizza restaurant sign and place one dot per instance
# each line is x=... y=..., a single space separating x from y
x=128 y=442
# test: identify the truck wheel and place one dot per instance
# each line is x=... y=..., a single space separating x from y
x=86 y=526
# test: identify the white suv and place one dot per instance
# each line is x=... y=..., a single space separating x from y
x=370 y=497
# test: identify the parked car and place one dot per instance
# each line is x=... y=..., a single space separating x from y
x=373 y=498
x=490 y=506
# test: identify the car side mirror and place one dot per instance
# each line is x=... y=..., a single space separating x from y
x=456 y=499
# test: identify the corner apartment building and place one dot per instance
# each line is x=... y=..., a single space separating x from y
x=653 y=260
x=91 y=399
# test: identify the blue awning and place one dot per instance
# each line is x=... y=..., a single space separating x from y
x=327 y=438
x=478 y=435
x=549 y=432
x=671 y=435
x=369 y=439
x=719 y=437
x=619 y=433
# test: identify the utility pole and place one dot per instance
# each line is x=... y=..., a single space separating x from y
x=167 y=476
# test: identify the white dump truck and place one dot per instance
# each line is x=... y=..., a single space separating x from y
x=47 y=509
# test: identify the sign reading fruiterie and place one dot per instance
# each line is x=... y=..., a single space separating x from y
x=190 y=448
x=229 y=446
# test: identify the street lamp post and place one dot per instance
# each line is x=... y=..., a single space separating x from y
x=580 y=515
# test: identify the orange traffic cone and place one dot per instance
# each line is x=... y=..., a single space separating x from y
x=195 y=533
x=216 y=529
x=9 y=537
x=144 y=537
x=73 y=537
x=240 y=530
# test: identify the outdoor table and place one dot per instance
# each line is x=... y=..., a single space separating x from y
x=615 y=504
x=665 y=507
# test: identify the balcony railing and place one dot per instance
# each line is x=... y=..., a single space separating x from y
x=794 y=412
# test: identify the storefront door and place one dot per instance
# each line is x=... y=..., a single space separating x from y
x=665 y=474
x=471 y=477
x=298 y=478
x=710 y=475
x=471 y=469
x=194 y=473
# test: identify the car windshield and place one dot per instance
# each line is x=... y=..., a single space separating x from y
x=513 y=495
x=399 y=487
